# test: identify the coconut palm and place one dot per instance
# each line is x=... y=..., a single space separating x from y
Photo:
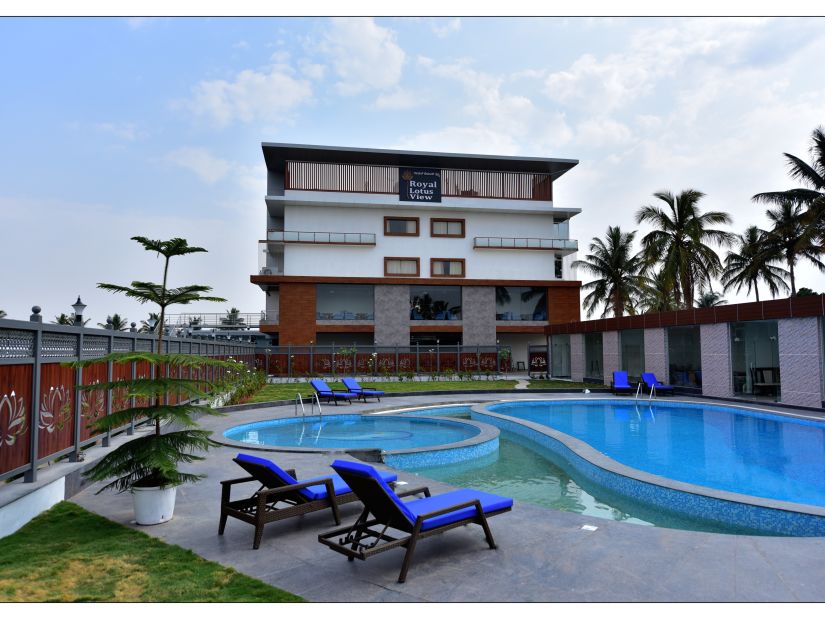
x=750 y=261
x=710 y=299
x=233 y=318
x=811 y=197
x=681 y=241
x=618 y=271
x=792 y=237
x=68 y=319
x=115 y=322
x=656 y=294
x=160 y=294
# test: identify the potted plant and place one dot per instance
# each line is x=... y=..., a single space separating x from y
x=504 y=356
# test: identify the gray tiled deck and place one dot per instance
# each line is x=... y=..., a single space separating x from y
x=543 y=554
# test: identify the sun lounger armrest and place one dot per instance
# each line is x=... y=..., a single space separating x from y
x=413 y=491
x=291 y=488
x=240 y=480
x=452 y=508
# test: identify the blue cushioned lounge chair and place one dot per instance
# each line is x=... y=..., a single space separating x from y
x=353 y=387
x=417 y=519
x=620 y=384
x=323 y=390
x=282 y=496
x=650 y=381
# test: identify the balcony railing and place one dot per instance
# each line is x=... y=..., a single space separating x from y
x=498 y=242
x=225 y=320
x=359 y=178
x=321 y=238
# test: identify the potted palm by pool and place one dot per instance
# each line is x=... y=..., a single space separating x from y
x=148 y=465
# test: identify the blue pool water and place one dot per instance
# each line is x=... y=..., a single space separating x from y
x=352 y=432
x=728 y=449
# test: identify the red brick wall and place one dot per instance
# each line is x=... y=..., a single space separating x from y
x=563 y=304
x=296 y=315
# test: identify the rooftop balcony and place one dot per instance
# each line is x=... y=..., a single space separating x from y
x=498 y=242
x=280 y=237
x=383 y=179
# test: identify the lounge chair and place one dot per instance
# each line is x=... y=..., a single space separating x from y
x=417 y=519
x=323 y=390
x=650 y=381
x=620 y=384
x=353 y=387
x=282 y=496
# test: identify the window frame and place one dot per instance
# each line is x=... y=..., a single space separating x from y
x=463 y=262
x=448 y=220
x=417 y=221
x=408 y=258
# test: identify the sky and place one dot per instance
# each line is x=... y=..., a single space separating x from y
x=116 y=127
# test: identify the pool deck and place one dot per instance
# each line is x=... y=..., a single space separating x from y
x=543 y=555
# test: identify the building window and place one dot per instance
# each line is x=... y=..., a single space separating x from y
x=684 y=357
x=632 y=349
x=521 y=303
x=560 y=356
x=447 y=267
x=447 y=227
x=435 y=302
x=344 y=302
x=593 y=356
x=401 y=267
x=558 y=265
x=755 y=358
x=400 y=226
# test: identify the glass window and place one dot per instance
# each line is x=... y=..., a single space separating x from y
x=344 y=302
x=593 y=357
x=633 y=353
x=558 y=266
x=435 y=302
x=684 y=357
x=521 y=303
x=401 y=226
x=407 y=267
x=755 y=358
x=447 y=227
x=440 y=267
x=560 y=353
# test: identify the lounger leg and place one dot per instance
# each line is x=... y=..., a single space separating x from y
x=259 y=533
x=482 y=520
x=405 y=566
x=222 y=524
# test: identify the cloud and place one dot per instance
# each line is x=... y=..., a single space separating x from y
x=209 y=168
x=598 y=132
x=268 y=94
x=447 y=28
x=399 y=99
x=124 y=131
x=363 y=55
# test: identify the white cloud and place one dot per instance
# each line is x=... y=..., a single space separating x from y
x=268 y=95
x=445 y=29
x=598 y=132
x=363 y=54
x=209 y=168
x=124 y=131
x=399 y=99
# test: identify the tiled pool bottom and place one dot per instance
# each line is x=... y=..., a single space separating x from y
x=525 y=471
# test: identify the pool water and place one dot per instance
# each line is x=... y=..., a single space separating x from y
x=730 y=449
x=352 y=432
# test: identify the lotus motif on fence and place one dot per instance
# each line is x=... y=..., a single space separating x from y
x=55 y=409
x=92 y=403
x=12 y=407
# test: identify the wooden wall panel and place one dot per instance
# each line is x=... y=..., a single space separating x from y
x=296 y=315
x=92 y=403
x=57 y=398
x=563 y=303
x=15 y=416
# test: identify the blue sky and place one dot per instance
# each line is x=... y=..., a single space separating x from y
x=114 y=127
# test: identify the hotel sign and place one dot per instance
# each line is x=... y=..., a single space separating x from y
x=419 y=185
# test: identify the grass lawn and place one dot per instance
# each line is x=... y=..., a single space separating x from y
x=68 y=554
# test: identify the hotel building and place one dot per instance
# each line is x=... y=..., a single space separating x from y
x=397 y=248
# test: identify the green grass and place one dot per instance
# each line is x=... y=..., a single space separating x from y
x=287 y=391
x=68 y=554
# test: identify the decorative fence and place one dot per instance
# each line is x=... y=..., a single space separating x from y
x=309 y=361
x=44 y=417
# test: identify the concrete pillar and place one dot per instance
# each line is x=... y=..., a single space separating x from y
x=656 y=353
x=800 y=362
x=716 y=362
x=577 y=357
x=392 y=315
x=478 y=315
x=610 y=353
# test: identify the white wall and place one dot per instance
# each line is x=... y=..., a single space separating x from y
x=368 y=261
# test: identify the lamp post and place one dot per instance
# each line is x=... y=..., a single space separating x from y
x=78 y=308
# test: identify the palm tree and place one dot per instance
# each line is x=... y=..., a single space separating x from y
x=680 y=241
x=710 y=299
x=160 y=294
x=117 y=322
x=233 y=317
x=68 y=319
x=750 y=262
x=656 y=294
x=813 y=176
x=618 y=271
x=792 y=237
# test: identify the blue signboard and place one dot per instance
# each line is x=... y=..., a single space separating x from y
x=419 y=185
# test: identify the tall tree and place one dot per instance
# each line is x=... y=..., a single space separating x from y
x=793 y=237
x=118 y=322
x=681 y=241
x=161 y=294
x=750 y=261
x=656 y=294
x=710 y=299
x=618 y=272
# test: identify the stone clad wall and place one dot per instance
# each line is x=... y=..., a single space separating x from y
x=392 y=315
x=577 y=357
x=478 y=315
x=610 y=352
x=716 y=364
x=656 y=353
x=800 y=362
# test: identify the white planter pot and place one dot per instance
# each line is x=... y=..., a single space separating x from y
x=154 y=505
